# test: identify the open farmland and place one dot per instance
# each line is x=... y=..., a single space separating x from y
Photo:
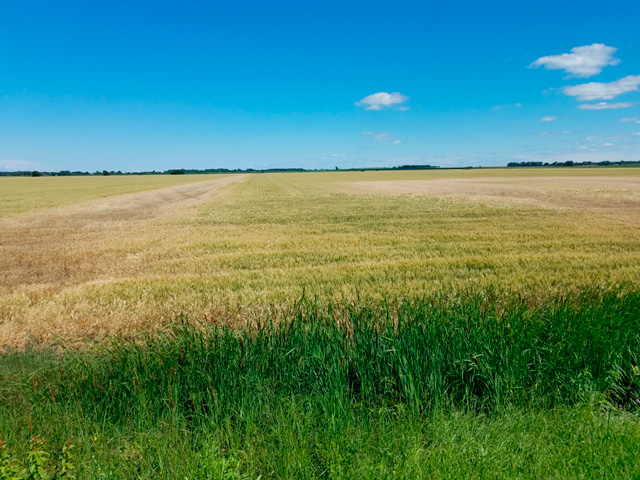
x=232 y=248
x=406 y=324
x=28 y=195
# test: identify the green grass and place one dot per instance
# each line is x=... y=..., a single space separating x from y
x=436 y=387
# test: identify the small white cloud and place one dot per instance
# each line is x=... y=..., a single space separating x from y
x=625 y=135
x=609 y=144
x=548 y=119
x=592 y=137
x=380 y=100
x=507 y=105
x=605 y=106
x=584 y=61
x=562 y=132
x=380 y=136
x=17 y=165
x=632 y=120
x=603 y=91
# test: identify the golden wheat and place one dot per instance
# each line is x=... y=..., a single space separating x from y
x=31 y=194
x=115 y=266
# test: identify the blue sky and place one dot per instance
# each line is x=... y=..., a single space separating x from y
x=137 y=86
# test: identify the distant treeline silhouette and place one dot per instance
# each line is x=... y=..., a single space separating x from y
x=571 y=163
x=192 y=171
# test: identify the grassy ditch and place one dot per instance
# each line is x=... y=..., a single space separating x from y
x=439 y=387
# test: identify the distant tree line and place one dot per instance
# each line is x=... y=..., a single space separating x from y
x=571 y=163
x=414 y=167
x=185 y=171
x=64 y=173
x=193 y=171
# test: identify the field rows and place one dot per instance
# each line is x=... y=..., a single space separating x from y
x=233 y=252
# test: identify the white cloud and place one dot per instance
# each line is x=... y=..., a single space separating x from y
x=633 y=120
x=605 y=106
x=626 y=135
x=507 y=105
x=380 y=136
x=609 y=144
x=563 y=132
x=548 y=119
x=584 y=61
x=603 y=91
x=17 y=165
x=380 y=100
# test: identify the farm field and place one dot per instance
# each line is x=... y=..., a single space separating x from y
x=233 y=248
x=28 y=195
x=476 y=323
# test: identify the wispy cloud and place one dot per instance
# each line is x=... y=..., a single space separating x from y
x=605 y=106
x=584 y=61
x=632 y=120
x=603 y=91
x=625 y=135
x=563 y=132
x=380 y=100
x=17 y=165
x=548 y=119
x=382 y=137
x=507 y=105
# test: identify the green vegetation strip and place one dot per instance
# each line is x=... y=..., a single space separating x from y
x=438 y=387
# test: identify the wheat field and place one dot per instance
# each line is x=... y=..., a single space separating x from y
x=83 y=258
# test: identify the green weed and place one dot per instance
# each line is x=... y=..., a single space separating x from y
x=392 y=389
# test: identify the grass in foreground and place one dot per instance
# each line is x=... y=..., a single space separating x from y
x=438 y=387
